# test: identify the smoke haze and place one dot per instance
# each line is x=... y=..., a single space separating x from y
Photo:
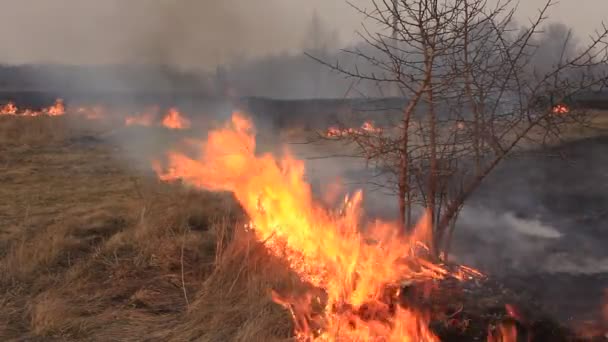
x=195 y=33
x=189 y=33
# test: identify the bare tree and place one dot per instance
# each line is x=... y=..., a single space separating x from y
x=476 y=89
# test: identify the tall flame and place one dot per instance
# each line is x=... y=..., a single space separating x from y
x=324 y=248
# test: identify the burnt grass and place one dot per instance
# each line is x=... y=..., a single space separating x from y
x=566 y=188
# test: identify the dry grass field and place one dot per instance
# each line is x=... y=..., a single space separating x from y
x=90 y=250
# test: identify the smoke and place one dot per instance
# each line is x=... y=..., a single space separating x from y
x=535 y=213
x=187 y=33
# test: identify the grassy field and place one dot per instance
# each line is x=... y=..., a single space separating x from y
x=91 y=250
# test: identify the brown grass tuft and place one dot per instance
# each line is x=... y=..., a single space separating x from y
x=233 y=303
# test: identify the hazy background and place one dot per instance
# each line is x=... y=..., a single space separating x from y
x=197 y=33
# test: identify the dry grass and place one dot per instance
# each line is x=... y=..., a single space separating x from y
x=92 y=251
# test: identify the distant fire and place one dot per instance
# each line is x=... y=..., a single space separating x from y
x=172 y=120
x=331 y=250
x=367 y=127
x=175 y=120
x=57 y=109
x=8 y=109
x=561 y=109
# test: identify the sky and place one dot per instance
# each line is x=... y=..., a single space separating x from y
x=195 y=33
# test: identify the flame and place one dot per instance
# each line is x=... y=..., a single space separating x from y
x=30 y=112
x=561 y=109
x=366 y=128
x=8 y=109
x=505 y=332
x=369 y=127
x=56 y=109
x=175 y=120
x=353 y=265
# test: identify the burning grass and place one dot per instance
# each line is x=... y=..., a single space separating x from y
x=87 y=249
x=91 y=250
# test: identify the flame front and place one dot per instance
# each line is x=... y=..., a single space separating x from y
x=324 y=248
x=57 y=109
x=367 y=127
x=175 y=120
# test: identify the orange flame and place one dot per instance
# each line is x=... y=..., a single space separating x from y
x=56 y=109
x=175 y=120
x=366 y=128
x=505 y=332
x=326 y=249
x=369 y=127
x=8 y=109
x=561 y=109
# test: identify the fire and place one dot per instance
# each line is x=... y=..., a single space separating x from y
x=8 y=109
x=367 y=127
x=354 y=266
x=57 y=109
x=505 y=332
x=561 y=109
x=175 y=120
